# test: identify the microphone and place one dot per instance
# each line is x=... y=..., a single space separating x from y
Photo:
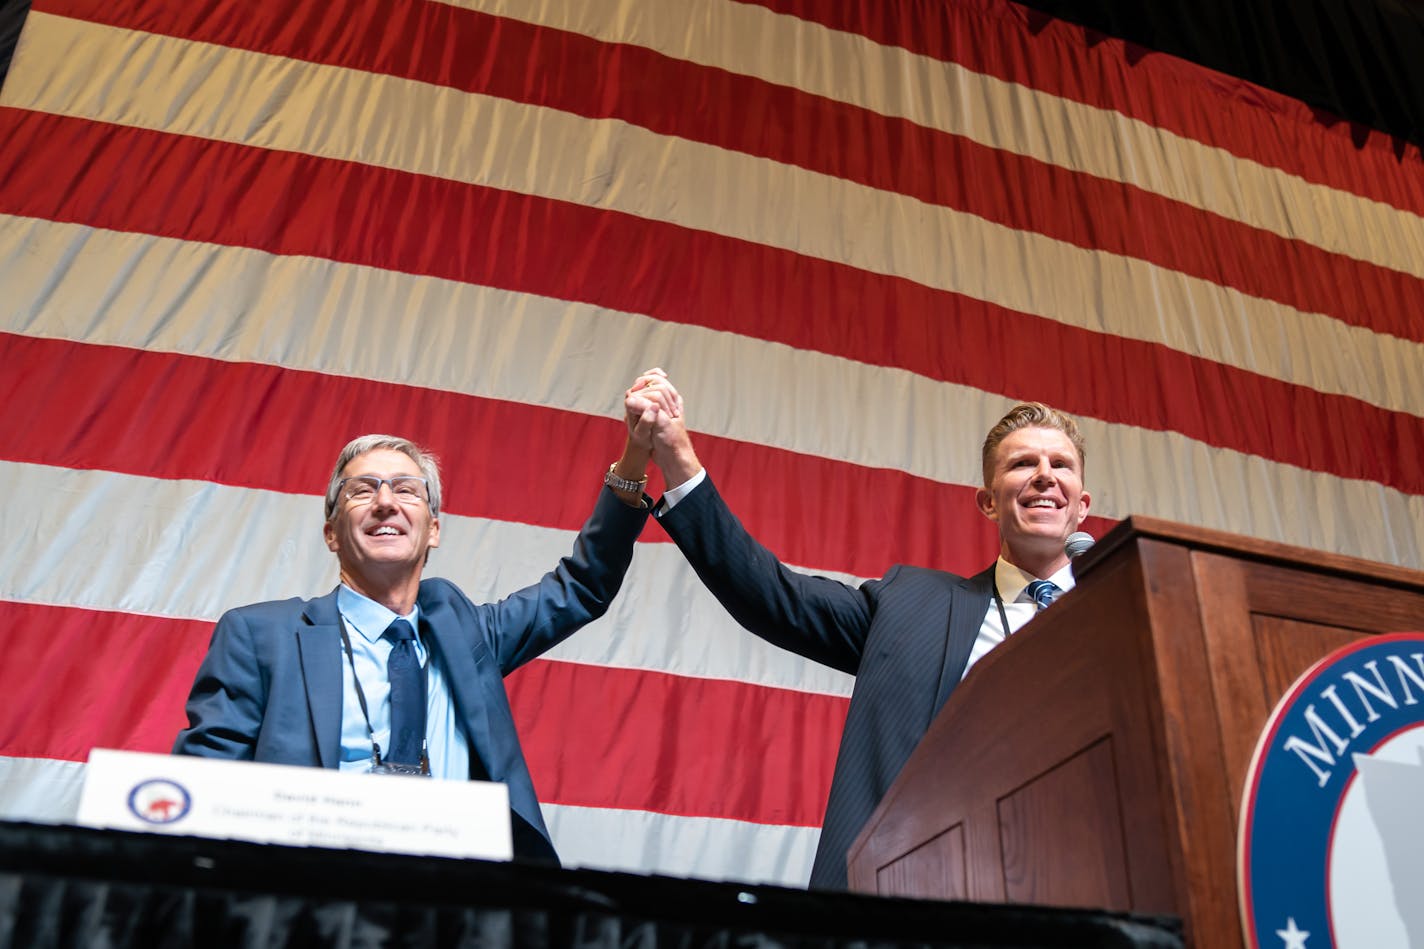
x=1078 y=543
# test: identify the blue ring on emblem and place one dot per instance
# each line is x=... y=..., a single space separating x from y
x=161 y=810
x=1299 y=778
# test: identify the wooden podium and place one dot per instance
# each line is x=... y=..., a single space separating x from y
x=1097 y=758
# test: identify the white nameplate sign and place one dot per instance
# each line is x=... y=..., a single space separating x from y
x=305 y=807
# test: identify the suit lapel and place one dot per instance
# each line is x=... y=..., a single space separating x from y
x=319 y=647
x=969 y=601
x=462 y=675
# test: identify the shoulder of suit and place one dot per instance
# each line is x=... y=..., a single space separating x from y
x=271 y=610
x=908 y=573
x=434 y=590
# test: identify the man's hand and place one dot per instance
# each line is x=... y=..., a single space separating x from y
x=651 y=396
x=672 y=451
x=653 y=409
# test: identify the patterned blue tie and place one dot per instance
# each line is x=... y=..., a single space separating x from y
x=407 y=696
x=1043 y=592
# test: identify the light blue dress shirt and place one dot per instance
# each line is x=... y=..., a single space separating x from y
x=366 y=622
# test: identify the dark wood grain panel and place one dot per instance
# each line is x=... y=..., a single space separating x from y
x=1288 y=647
x=1077 y=804
x=1192 y=766
x=1331 y=600
x=1242 y=700
x=933 y=870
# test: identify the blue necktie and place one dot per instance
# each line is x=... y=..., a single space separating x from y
x=407 y=696
x=1043 y=592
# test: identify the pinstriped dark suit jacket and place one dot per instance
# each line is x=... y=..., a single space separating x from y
x=905 y=637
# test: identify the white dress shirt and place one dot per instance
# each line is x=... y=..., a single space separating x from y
x=1019 y=608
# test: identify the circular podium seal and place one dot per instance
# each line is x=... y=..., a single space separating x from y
x=1330 y=849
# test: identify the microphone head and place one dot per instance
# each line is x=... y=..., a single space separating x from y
x=1077 y=543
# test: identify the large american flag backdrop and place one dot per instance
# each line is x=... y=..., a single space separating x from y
x=235 y=233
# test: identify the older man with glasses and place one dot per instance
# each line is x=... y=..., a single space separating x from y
x=394 y=674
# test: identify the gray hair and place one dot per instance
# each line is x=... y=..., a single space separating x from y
x=428 y=464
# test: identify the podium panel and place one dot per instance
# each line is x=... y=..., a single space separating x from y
x=1096 y=759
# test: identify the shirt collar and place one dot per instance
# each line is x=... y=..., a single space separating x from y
x=368 y=617
x=1012 y=581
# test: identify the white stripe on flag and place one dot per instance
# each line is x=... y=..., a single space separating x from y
x=194 y=549
x=705 y=847
x=40 y=790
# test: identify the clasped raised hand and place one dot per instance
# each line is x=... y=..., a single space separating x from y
x=652 y=394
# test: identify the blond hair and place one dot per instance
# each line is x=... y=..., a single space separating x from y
x=1031 y=415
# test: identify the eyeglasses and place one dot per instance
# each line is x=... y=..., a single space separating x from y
x=362 y=489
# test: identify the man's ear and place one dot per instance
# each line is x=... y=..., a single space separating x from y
x=329 y=533
x=1084 y=501
x=985 y=502
x=435 y=532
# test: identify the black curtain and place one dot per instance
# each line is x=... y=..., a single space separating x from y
x=12 y=17
x=70 y=886
x=1360 y=61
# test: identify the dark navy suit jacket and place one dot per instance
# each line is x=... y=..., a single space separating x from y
x=270 y=687
x=905 y=637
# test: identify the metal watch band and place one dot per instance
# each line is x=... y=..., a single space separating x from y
x=623 y=484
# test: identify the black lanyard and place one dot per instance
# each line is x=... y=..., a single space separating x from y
x=379 y=766
x=999 y=602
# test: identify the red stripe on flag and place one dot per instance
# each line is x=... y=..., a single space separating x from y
x=75 y=405
x=284 y=203
x=1031 y=48
x=472 y=51
x=77 y=679
x=251 y=425
x=601 y=737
